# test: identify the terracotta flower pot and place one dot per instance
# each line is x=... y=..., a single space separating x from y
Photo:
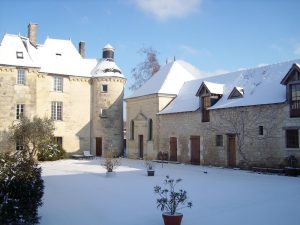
x=172 y=219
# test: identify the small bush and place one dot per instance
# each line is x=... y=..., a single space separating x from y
x=51 y=153
x=21 y=189
x=111 y=161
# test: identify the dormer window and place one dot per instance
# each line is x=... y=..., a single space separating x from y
x=237 y=92
x=292 y=82
x=19 y=55
x=294 y=100
x=209 y=94
x=58 y=54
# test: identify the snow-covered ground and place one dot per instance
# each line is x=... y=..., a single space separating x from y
x=77 y=192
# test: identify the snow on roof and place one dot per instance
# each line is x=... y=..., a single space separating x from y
x=55 y=56
x=108 y=46
x=214 y=88
x=261 y=85
x=10 y=45
x=105 y=68
x=61 y=57
x=169 y=79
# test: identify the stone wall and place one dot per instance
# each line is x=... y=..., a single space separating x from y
x=107 y=114
x=252 y=149
x=140 y=110
x=37 y=95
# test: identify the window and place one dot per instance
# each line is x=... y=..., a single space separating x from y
x=19 y=55
x=261 y=130
x=19 y=111
x=132 y=130
x=104 y=88
x=19 y=145
x=292 y=138
x=150 y=129
x=295 y=100
x=219 y=140
x=21 y=77
x=103 y=113
x=58 y=84
x=205 y=105
x=56 y=110
x=58 y=141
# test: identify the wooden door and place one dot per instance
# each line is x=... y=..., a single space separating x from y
x=173 y=149
x=231 y=151
x=195 y=150
x=98 y=146
x=141 y=146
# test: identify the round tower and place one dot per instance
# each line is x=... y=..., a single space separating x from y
x=107 y=105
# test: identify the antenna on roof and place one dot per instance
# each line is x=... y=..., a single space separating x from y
x=174 y=59
x=166 y=60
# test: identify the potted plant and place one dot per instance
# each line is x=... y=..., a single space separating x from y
x=150 y=167
x=111 y=162
x=170 y=201
x=290 y=169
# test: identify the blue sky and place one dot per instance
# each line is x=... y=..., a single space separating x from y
x=214 y=35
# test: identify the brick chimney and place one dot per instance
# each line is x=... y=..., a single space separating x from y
x=81 y=48
x=32 y=32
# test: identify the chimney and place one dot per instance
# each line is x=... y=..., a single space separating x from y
x=81 y=48
x=32 y=32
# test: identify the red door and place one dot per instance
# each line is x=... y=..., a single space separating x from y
x=195 y=150
x=141 y=146
x=231 y=151
x=98 y=146
x=173 y=149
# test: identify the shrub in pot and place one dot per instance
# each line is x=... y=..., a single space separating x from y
x=150 y=167
x=111 y=162
x=170 y=201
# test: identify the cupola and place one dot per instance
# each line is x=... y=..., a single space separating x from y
x=108 y=52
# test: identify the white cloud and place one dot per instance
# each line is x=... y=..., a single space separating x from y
x=165 y=9
x=188 y=50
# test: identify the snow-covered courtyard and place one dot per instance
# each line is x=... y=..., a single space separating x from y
x=77 y=192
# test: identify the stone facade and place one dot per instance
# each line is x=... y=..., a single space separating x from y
x=107 y=113
x=234 y=133
x=80 y=94
x=140 y=110
x=267 y=149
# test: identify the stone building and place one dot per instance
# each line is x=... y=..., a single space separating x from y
x=243 y=118
x=84 y=97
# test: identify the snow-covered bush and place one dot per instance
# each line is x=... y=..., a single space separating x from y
x=111 y=161
x=169 y=199
x=51 y=153
x=21 y=189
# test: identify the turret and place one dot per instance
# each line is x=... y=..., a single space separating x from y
x=107 y=105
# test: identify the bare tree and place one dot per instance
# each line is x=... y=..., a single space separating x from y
x=32 y=135
x=146 y=69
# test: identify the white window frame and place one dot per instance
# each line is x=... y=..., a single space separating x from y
x=19 y=111
x=57 y=110
x=58 y=83
x=21 y=76
x=103 y=89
